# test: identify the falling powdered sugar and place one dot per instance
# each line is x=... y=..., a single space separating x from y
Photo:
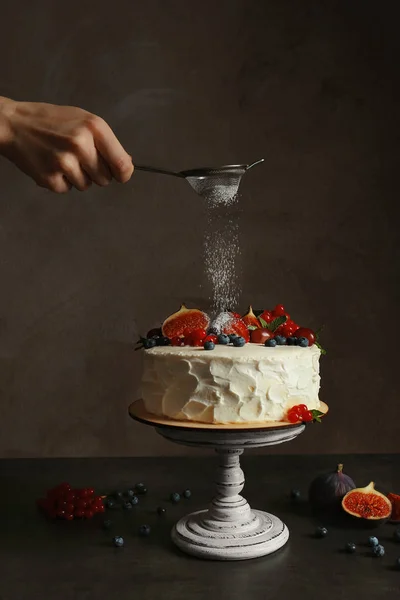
x=221 y=248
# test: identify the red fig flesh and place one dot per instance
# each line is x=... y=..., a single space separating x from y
x=367 y=503
x=186 y=319
x=250 y=319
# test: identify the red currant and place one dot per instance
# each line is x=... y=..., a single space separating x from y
x=89 y=514
x=293 y=416
x=81 y=503
x=211 y=338
x=267 y=316
x=177 y=341
x=90 y=491
x=301 y=409
x=279 y=310
x=307 y=416
x=101 y=508
x=60 y=514
x=198 y=335
x=69 y=517
x=70 y=497
x=79 y=513
x=69 y=508
x=64 y=487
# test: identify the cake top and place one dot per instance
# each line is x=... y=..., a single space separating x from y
x=193 y=329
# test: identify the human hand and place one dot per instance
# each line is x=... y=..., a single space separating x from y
x=61 y=146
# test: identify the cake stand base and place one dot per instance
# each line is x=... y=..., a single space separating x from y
x=229 y=529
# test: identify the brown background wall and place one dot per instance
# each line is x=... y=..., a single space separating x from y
x=312 y=87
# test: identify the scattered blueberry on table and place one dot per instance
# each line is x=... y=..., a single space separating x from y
x=134 y=500
x=321 y=532
x=127 y=505
x=110 y=503
x=118 y=541
x=144 y=530
x=350 y=547
x=187 y=494
x=378 y=551
x=373 y=541
x=141 y=488
x=175 y=497
x=295 y=495
x=129 y=493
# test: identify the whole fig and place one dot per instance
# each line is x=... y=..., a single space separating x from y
x=327 y=490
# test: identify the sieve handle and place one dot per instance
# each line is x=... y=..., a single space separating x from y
x=157 y=170
x=255 y=163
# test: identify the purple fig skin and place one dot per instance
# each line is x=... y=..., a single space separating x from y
x=328 y=490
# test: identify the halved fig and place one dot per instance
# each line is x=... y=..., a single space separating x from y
x=250 y=319
x=367 y=504
x=184 y=320
x=395 y=502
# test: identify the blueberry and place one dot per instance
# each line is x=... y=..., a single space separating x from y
x=223 y=339
x=175 y=497
x=107 y=524
x=161 y=510
x=373 y=541
x=280 y=340
x=232 y=336
x=396 y=535
x=209 y=345
x=110 y=503
x=295 y=495
x=187 y=494
x=291 y=341
x=397 y=563
x=238 y=341
x=141 y=488
x=144 y=530
x=129 y=493
x=321 y=532
x=134 y=500
x=118 y=496
x=350 y=547
x=163 y=341
x=271 y=343
x=378 y=550
x=150 y=343
x=127 y=505
x=118 y=541
x=303 y=342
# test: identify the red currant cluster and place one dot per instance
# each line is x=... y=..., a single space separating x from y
x=196 y=338
x=63 y=502
x=298 y=413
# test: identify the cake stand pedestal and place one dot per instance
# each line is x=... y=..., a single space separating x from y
x=229 y=529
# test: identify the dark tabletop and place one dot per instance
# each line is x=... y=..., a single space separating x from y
x=76 y=560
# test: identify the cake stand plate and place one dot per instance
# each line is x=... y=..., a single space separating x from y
x=229 y=529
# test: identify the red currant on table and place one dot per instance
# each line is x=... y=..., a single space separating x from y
x=69 y=517
x=89 y=514
x=79 y=513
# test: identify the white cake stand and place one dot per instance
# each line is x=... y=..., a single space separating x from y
x=229 y=529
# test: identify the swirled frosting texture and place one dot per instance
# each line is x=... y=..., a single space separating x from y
x=228 y=384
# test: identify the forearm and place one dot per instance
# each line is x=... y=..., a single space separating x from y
x=6 y=111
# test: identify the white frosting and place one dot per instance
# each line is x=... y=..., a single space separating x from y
x=229 y=384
